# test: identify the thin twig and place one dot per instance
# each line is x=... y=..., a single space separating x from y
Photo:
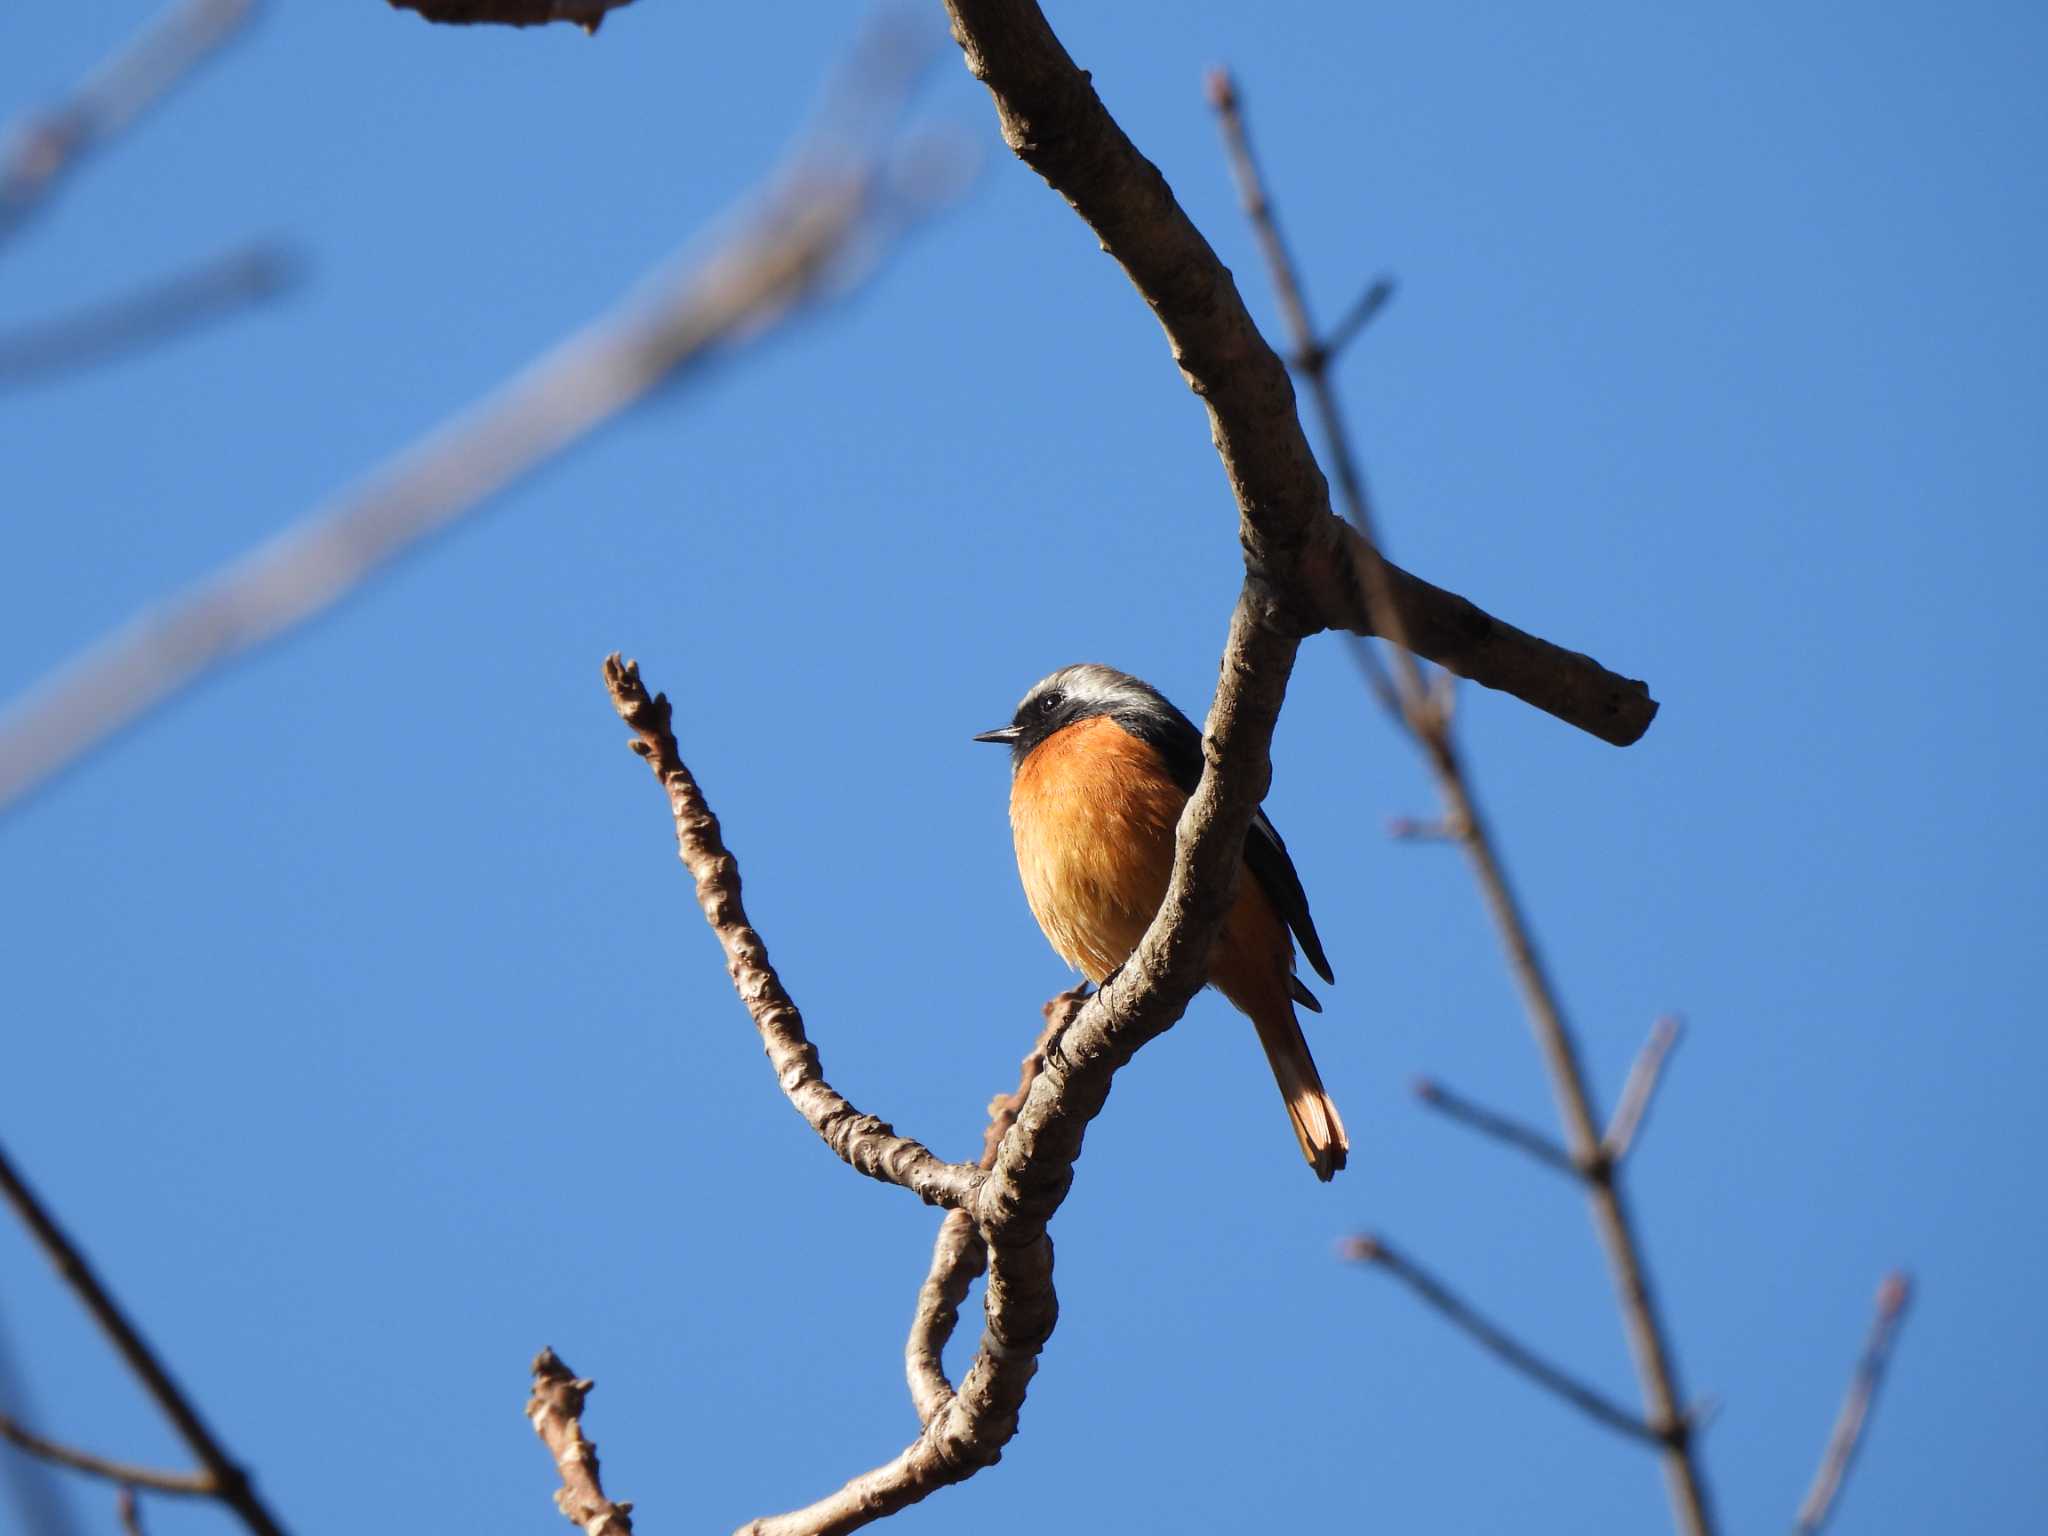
x=49 y=144
x=1358 y=317
x=1893 y=1297
x=820 y=225
x=230 y=1484
x=164 y=308
x=1496 y=1125
x=555 y=1409
x=1640 y=1089
x=1428 y=720
x=865 y=1143
x=129 y=1510
x=1497 y=1341
x=59 y=1454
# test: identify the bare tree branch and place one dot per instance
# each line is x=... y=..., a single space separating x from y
x=822 y=220
x=555 y=1409
x=229 y=1483
x=865 y=1143
x=1429 y=721
x=46 y=146
x=587 y=14
x=1358 y=317
x=958 y=1255
x=128 y=1510
x=1052 y=118
x=1893 y=1297
x=1640 y=1089
x=1033 y=1166
x=164 y=308
x=58 y=1454
x=1495 y=1340
x=1492 y=1123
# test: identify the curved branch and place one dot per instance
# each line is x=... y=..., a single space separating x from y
x=193 y=1484
x=958 y=1255
x=1033 y=1163
x=869 y=1145
x=1052 y=118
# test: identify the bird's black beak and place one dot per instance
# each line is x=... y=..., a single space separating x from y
x=1006 y=737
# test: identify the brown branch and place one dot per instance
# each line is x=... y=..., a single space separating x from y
x=50 y=144
x=1495 y=1340
x=164 y=308
x=1033 y=1166
x=229 y=1483
x=958 y=1255
x=128 y=1510
x=869 y=1145
x=1051 y=116
x=819 y=218
x=587 y=14
x=1491 y=1123
x=1893 y=1297
x=1639 y=1089
x=555 y=1409
x=61 y=1455
x=1429 y=721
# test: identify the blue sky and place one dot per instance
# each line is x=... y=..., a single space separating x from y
x=358 y=1016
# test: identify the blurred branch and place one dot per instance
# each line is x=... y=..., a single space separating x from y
x=1306 y=558
x=227 y=1482
x=1429 y=721
x=1495 y=1340
x=555 y=1408
x=197 y=1483
x=1893 y=1297
x=155 y=312
x=129 y=1512
x=1027 y=1179
x=865 y=1143
x=1640 y=1089
x=821 y=223
x=46 y=146
x=1500 y=1127
x=587 y=14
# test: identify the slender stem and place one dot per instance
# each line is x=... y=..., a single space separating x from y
x=1428 y=720
x=163 y=308
x=230 y=1483
x=1893 y=1296
x=58 y=1454
x=1640 y=1089
x=1496 y=1340
x=1492 y=1123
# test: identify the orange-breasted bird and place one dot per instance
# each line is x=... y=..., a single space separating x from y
x=1101 y=765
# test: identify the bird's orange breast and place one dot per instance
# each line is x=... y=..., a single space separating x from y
x=1093 y=812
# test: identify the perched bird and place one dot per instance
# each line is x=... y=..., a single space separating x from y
x=1101 y=765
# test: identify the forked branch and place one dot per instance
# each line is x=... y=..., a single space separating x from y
x=1012 y=1196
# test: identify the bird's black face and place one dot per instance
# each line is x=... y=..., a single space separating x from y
x=1078 y=693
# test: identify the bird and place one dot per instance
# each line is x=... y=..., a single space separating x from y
x=1101 y=765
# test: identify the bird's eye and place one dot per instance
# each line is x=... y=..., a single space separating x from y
x=1048 y=702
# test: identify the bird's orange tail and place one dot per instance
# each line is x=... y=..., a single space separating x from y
x=1317 y=1125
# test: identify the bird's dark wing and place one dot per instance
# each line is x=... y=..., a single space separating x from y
x=1267 y=856
x=1178 y=741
